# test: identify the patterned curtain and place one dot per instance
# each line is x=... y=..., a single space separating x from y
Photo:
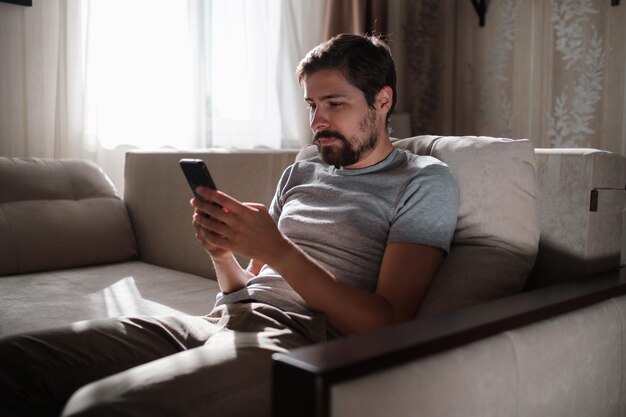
x=549 y=70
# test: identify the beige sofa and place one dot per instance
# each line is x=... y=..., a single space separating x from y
x=544 y=221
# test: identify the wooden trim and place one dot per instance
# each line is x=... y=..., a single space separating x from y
x=19 y=2
x=317 y=367
x=593 y=203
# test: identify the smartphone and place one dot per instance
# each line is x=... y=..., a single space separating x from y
x=197 y=175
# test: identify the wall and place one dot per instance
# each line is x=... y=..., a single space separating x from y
x=549 y=70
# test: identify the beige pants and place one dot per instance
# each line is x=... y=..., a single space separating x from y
x=216 y=365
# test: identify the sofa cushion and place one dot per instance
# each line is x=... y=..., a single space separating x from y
x=60 y=214
x=496 y=239
x=126 y=288
x=497 y=235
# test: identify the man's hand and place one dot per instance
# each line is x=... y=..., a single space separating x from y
x=226 y=225
x=202 y=233
x=202 y=236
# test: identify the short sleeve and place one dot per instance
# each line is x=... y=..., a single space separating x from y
x=276 y=206
x=426 y=211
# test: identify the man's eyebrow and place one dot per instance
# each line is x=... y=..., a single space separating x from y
x=328 y=97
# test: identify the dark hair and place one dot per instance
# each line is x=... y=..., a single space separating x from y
x=365 y=61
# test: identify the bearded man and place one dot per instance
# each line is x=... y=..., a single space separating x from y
x=350 y=243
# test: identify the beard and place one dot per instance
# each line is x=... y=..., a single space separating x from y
x=348 y=151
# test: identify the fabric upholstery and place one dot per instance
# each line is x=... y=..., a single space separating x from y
x=496 y=238
x=127 y=288
x=571 y=365
x=497 y=234
x=567 y=366
x=59 y=214
x=480 y=377
x=574 y=239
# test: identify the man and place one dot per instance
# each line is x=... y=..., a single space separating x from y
x=351 y=242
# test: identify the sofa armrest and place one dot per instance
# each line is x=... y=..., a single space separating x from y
x=304 y=378
x=581 y=196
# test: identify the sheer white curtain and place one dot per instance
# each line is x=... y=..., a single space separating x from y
x=139 y=79
x=244 y=51
x=41 y=72
x=92 y=78
x=254 y=98
x=197 y=73
x=300 y=31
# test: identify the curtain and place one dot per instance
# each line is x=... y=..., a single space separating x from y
x=42 y=89
x=381 y=17
x=139 y=77
x=93 y=79
x=41 y=79
x=355 y=16
x=255 y=100
x=551 y=71
x=300 y=32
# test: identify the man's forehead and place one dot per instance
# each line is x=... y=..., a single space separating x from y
x=327 y=84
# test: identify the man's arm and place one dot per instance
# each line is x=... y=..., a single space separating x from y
x=230 y=275
x=406 y=270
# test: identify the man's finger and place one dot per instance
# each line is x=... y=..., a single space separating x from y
x=211 y=210
x=257 y=206
x=218 y=197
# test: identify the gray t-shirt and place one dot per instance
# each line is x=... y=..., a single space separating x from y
x=344 y=219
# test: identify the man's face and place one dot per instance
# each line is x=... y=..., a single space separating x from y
x=345 y=128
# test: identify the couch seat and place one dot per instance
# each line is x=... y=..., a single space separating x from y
x=129 y=288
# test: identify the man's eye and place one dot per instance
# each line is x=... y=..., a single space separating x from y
x=310 y=106
x=334 y=104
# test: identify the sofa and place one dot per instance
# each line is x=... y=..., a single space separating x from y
x=526 y=317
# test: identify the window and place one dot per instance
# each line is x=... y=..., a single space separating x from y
x=170 y=73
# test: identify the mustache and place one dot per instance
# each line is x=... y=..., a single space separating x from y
x=328 y=134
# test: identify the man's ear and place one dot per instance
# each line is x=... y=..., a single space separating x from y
x=384 y=99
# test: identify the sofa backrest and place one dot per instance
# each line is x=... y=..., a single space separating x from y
x=59 y=214
x=157 y=197
x=508 y=191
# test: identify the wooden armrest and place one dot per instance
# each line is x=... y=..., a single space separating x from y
x=302 y=378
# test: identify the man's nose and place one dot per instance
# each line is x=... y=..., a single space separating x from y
x=318 y=120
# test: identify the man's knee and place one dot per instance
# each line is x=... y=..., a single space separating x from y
x=104 y=399
x=86 y=403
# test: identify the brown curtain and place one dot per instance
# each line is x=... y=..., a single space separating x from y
x=426 y=66
x=355 y=16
